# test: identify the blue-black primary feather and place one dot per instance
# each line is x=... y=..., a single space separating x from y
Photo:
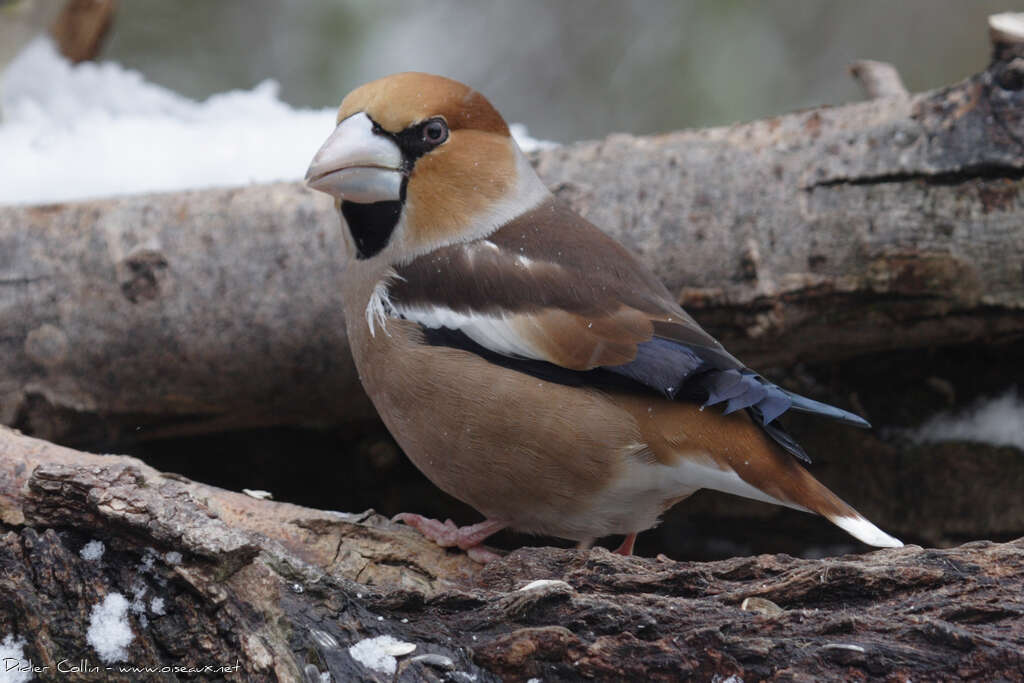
x=701 y=373
x=679 y=371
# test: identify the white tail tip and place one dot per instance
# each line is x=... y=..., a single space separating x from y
x=863 y=530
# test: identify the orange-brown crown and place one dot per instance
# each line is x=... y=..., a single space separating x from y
x=396 y=102
x=464 y=187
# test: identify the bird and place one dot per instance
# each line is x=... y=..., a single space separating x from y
x=527 y=363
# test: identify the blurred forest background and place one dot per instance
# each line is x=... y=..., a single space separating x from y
x=569 y=70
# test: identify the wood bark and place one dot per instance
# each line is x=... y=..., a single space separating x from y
x=284 y=593
x=820 y=235
x=81 y=28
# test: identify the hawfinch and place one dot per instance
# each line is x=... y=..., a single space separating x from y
x=524 y=360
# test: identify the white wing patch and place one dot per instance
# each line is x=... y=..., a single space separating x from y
x=501 y=333
x=498 y=333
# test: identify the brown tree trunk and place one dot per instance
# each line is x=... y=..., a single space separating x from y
x=285 y=593
x=888 y=224
x=82 y=27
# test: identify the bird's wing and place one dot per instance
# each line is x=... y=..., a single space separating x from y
x=550 y=289
x=547 y=286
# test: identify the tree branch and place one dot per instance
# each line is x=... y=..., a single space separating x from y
x=82 y=27
x=879 y=79
x=815 y=236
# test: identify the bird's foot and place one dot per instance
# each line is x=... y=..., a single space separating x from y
x=447 y=534
x=627 y=545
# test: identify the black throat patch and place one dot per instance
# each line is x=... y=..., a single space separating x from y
x=371 y=225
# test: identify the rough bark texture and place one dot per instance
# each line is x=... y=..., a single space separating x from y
x=283 y=592
x=893 y=223
x=822 y=235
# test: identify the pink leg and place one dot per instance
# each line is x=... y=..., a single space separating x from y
x=446 y=534
x=627 y=545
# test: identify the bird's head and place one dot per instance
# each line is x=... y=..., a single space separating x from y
x=419 y=161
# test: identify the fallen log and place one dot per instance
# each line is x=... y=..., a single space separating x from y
x=203 y=311
x=815 y=236
x=107 y=564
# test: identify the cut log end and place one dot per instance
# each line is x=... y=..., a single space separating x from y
x=1007 y=27
x=1006 y=31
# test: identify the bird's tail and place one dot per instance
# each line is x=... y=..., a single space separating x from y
x=746 y=462
x=794 y=486
x=860 y=528
x=774 y=475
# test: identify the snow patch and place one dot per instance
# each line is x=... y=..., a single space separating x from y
x=72 y=132
x=109 y=632
x=12 y=656
x=92 y=551
x=378 y=654
x=718 y=678
x=996 y=421
x=138 y=603
x=146 y=566
x=94 y=130
x=156 y=606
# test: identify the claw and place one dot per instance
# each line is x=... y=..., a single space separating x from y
x=447 y=534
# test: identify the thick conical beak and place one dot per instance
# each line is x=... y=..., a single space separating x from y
x=357 y=165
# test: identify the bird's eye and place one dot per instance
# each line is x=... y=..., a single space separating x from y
x=435 y=131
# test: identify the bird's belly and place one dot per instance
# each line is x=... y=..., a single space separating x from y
x=631 y=503
x=537 y=455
